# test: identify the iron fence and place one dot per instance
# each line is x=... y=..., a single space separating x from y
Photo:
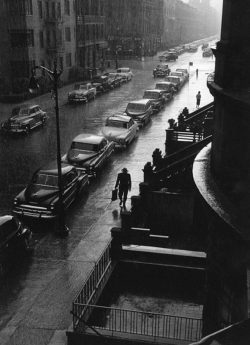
x=141 y=323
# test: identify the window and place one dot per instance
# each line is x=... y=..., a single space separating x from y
x=47 y=9
x=61 y=62
x=53 y=10
x=58 y=10
x=67 y=7
x=48 y=38
x=22 y=38
x=40 y=9
x=20 y=7
x=67 y=34
x=41 y=39
x=68 y=60
x=28 y=7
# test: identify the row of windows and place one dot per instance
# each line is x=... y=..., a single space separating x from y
x=90 y=32
x=25 y=38
x=53 y=9
x=90 y=7
x=20 y=7
x=22 y=69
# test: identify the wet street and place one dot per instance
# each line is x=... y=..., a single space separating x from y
x=36 y=295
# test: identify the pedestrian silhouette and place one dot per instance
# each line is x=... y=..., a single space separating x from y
x=197 y=72
x=198 y=99
x=123 y=183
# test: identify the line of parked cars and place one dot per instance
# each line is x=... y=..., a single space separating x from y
x=84 y=92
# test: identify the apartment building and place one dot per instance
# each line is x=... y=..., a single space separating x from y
x=35 y=32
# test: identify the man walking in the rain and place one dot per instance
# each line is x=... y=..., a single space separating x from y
x=198 y=99
x=123 y=182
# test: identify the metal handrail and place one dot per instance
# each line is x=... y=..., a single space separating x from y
x=141 y=323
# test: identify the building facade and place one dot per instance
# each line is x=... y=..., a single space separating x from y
x=90 y=35
x=134 y=27
x=35 y=33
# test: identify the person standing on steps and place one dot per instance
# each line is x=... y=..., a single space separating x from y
x=198 y=99
x=123 y=183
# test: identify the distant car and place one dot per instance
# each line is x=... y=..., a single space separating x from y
x=101 y=83
x=121 y=129
x=24 y=118
x=183 y=70
x=89 y=152
x=207 y=52
x=40 y=199
x=170 y=56
x=193 y=48
x=14 y=237
x=204 y=46
x=161 y=71
x=181 y=75
x=140 y=111
x=157 y=99
x=83 y=92
x=167 y=88
x=174 y=80
x=114 y=78
x=125 y=72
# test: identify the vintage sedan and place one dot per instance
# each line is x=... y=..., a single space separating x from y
x=101 y=83
x=114 y=79
x=156 y=97
x=24 y=118
x=181 y=75
x=167 y=88
x=83 y=92
x=14 y=238
x=40 y=199
x=207 y=52
x=176 y=81
x=125 y=72
x=121 y=129
x=140 y=111
x=161 y=71
x=89 y=152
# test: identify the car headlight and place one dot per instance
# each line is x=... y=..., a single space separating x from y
x=15 y=201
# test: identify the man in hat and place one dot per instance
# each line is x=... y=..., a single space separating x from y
x=123 y=182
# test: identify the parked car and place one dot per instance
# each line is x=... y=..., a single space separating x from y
x=181 y=75
x=89 y=152
x=204 y=46
x=40 y=199
x=174 y=80
x=140 y=111
x=167 y=88
x=83 y=92
x=161 y=71
x=24 y=118
x=121 y=129
x=125 y=72
x=183 y=70
x=14 y=238
x=193 y=48
x=207 y=52
x=101 y=83
x=156 y=97
x=171 y=56
x=115 y=79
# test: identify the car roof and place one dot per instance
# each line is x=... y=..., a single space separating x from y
x=5 y=219
x=26 y=105
x=164 y=83
x=153 y=90
x=140 y=101
x=173 y=76
x=51 y=168
x=89 y=138
x=122 y=118
x=124 y=69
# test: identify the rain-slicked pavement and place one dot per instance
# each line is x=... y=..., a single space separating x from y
x=36 y=295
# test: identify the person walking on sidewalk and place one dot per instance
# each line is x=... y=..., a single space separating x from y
x=198 y=99
x=197 y=72
x=123 y=183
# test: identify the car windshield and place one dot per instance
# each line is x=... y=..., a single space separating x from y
x=118 y=124
x=84 y=146
x=46 y=180
x=172 y=79
x=162 y=86
x=15 y=111
x=80 y=87
x=151 y=94
x=136 y=107
x=177 y=74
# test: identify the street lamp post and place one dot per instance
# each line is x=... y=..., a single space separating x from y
x=33 y=85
